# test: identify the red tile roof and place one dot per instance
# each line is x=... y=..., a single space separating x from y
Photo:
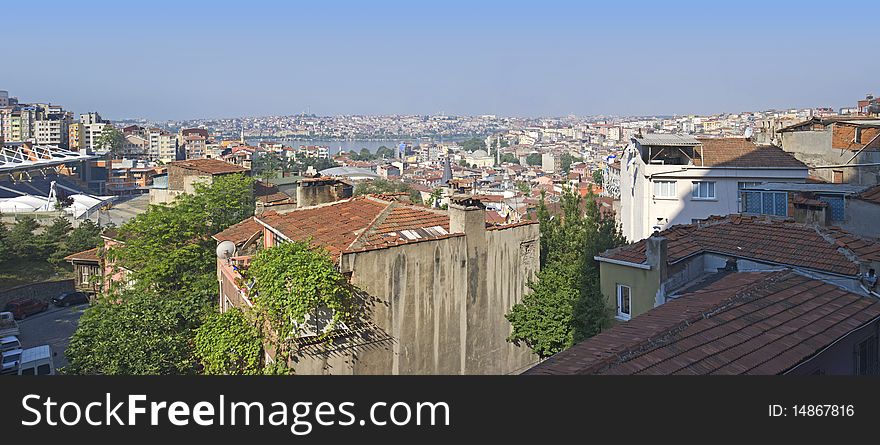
x=241 y=232
x=762 y=239
x=871 y=195
x=360 y=223
x=741 y=152
x=743 y=323
x=90 y=255
x=209 y=166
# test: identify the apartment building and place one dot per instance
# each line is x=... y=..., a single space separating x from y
x=839 y=149
x=670 y=179
x=448 y=279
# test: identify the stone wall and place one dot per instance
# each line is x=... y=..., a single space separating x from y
x=42 y=291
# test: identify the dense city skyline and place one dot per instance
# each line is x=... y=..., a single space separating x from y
x=509 y=59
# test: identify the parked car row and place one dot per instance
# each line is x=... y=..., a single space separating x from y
x=30 y=361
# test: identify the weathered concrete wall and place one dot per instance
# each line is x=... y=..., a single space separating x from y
x=40 y=291
x=862 y=218
x=814 y=148
x=442 y=303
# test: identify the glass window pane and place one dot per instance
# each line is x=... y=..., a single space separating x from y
x=767 y=199
x=781 y=204
x=752 y=202
x=711 y=190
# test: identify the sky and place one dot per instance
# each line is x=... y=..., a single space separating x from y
x=187 y=59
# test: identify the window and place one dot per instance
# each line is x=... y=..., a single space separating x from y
x=664 y=189
x=836 y=205
x=764 y=203
x=43 y=369
x=865 y=357
x=624 y=300
x=703 y=190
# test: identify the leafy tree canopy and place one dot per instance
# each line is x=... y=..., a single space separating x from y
x=229 y=343
x=566 y=304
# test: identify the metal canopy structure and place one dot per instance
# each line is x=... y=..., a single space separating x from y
x=21 y=156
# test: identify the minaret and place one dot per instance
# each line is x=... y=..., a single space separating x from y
x=447 y=172
x=242 y=136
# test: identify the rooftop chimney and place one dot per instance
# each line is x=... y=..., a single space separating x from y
x=656 y=253
x=466 y=215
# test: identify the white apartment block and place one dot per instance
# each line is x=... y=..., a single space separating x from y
x=670 y=179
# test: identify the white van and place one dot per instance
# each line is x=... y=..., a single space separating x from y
x=36 y=361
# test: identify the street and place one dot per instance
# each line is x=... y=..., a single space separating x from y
x=53 y=327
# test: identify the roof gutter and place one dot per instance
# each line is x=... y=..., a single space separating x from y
x=622 y=263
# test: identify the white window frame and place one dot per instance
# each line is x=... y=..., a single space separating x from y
x=657 y=187
x=695 y=192
x=620 y=314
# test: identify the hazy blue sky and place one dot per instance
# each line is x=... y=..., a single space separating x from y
x=178 y=59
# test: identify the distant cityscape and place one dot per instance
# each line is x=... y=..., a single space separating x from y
x=659 y=226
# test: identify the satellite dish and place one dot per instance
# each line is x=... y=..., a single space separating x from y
x=225 y=250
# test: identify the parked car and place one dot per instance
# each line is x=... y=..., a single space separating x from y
x=9 y=343
x=37 y=361
x=70 y=298
x=11 y=359
x=8 y=326
x=23 y=307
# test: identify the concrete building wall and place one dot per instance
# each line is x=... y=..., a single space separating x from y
x=862 y=218
x=814 y=148
x=442 y=303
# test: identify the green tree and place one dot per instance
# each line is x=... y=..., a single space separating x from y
x=463 y=163
x=566 y=160
x=436 y=194
x=53 y=241
x=385 y=152
x=87 y=235
x=22 y=240
x=566 y=304
x=111 y=140
x=267 y=165
x=229 y=343
x=598 y=177
x=523 y=187
x=533 y=159
x=473 y=144
x=509 y=158
x=140 y=334
x=5 y=250
x=294 y=282
x=170 y=249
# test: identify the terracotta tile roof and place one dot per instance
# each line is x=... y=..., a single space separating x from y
x=871 y=195
x=268 y=193
x=333 y=226
x=743 y=323
x=493 y=217
x=360 y=223
x=762 y=239
x=240 y=233
x=740 y=152
x=90 y=255
x=209 y=166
